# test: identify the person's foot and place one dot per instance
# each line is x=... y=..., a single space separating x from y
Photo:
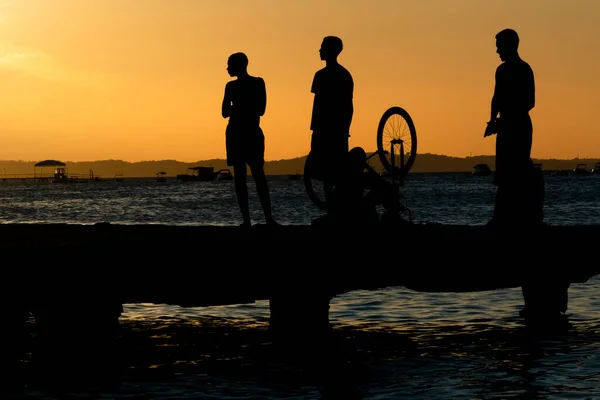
x=492 y=223
x=319 y=221
x=392 y=219
x=272 y=222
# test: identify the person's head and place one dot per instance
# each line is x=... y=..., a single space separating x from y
x=331 y=47
x=357 y=159
x=237 y=64
x=507 y=44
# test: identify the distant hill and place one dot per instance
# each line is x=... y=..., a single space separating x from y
x=110 y=168
x=440 y=163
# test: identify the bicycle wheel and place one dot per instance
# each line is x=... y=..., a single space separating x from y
x=313 y=182
x=396 y=127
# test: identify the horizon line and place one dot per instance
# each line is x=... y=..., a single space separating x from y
x=289 y=159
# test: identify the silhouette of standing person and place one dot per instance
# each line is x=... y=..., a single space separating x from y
x=332 y=111
x=244 y=102
x=519 y=193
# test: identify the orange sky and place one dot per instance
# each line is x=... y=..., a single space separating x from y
x=84 y=80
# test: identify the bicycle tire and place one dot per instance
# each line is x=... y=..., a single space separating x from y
x=310 y=178
x=400 y=114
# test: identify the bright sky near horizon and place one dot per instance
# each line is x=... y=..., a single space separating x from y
x=85 y=80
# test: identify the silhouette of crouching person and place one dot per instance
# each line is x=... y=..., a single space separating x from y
x=357 y=194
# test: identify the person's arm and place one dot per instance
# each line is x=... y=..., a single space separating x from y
x=494 y=106
x=226 y=107
x=530 y=90
x=350 y=104
x=494 y=109
x=350 y=108
x=313 y=90
x=262 y=98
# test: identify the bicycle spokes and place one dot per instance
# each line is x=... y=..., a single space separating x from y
x=397 y=136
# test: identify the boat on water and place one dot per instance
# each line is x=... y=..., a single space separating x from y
x=596 y=169
x=161 y=176
x=481 y=170
x=581 y=169
x=295 y=177
x=198 y=174
x=224 y=175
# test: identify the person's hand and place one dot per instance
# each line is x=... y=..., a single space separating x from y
x=490 y=129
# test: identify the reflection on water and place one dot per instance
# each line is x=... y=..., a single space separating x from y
x=388 y=344
x=168 y=358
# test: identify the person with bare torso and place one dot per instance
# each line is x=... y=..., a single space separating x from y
x=244 y=103
x=520 y=192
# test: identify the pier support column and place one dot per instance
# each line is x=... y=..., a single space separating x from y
x=78 y=345
x=300 y=315
x=546 y=299
x=14 y=339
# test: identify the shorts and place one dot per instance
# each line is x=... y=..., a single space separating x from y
x=244 y=146
x=330 y=151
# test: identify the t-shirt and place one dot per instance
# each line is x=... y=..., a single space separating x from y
x=333 y=87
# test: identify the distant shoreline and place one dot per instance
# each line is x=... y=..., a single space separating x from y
x=107 y=169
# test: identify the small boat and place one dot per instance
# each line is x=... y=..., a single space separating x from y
x=295 y=177
x=224 y=175
x=596 y=169
x=581 y=169
x=198 y=174
x=481 y=170
x=161 y=176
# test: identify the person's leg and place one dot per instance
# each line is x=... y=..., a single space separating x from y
x=499 y=171
x=339 y=156
x=510 y=172
x=241 y=192
x=500 y=206
x=262 y=189
x=525 y=198
x=519 y=171
x=538 y=197
x=321 y=165
x=255 y=158
x=335 y=156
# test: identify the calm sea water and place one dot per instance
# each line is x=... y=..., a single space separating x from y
x=391 y=344
x=444 y=198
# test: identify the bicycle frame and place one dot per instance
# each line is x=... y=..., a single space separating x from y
x=397 y=178
x=393 y=157
x=395 y=175
x=387 y=142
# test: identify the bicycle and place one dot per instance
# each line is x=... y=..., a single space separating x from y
x=395 y=124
